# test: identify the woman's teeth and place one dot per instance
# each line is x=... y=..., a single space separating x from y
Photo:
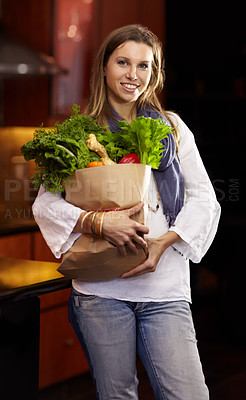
x=130 y=86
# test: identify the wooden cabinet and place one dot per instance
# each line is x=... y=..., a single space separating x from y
x=41 y=251
x=61 y=356
x=16 y=246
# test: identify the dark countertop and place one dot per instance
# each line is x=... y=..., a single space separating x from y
x=27 y=278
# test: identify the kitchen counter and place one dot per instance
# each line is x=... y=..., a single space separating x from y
x=21 y=282
x=27 y=278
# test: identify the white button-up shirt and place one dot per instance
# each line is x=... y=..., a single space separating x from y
x=196 y=224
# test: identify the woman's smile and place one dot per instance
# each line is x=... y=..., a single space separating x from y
x=130 y=87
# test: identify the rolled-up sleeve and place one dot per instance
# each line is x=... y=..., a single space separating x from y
x=56 y=219
x=197 y=222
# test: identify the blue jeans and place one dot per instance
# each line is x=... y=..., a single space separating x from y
x=112 y=331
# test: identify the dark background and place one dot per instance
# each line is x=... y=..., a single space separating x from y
x=206 y=84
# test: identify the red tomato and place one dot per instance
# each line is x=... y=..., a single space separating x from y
x=130 y=158
x=95 y=164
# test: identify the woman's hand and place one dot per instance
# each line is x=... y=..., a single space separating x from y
x=118 y=228
x=156 y=248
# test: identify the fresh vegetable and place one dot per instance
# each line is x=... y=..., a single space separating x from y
x=141 y=137
x=80 y=140
x=93 y=144
x=130 y=159
x=59 y=151
x=95 y=164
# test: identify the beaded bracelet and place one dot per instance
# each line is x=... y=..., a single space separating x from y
x=83 y=219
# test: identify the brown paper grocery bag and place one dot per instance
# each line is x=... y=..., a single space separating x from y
x=107 y=188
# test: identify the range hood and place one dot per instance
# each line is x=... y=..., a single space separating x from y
x=19 y=59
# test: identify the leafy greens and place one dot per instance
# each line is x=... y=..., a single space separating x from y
x=59 y=151
x=142 y=137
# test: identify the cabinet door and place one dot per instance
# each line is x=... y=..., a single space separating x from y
x=41 y=249
x=61 y=356
x=16 y=246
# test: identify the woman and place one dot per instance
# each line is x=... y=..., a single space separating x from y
x=147 y=309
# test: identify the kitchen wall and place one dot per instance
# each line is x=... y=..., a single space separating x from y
x=26 y=99
x=16 y=190
x=71 y=32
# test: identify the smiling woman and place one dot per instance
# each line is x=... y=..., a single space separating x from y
x=147 y=308
x=132 y=58
x=128 y=73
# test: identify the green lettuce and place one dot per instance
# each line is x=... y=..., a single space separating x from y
x=58 y=152
x=142 y=137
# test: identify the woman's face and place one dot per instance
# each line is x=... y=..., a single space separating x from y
x=128 y=72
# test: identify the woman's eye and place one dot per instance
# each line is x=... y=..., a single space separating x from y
x=143 y=66
x=122 y=62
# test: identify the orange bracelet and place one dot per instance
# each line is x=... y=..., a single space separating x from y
x=97 y=223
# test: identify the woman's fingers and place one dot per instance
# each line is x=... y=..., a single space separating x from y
x=123 y=231
x=139 y=270
x=135 y=209
x=150 y=264
x=132 y=245
x=122 y=250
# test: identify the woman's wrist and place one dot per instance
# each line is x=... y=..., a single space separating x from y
x=169 y=239
x=97 y=223
x=84 y=222
x=90 y=223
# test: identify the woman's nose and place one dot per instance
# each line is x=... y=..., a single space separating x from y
x=132 y=73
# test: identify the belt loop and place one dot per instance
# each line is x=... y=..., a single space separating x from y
x=76 y=301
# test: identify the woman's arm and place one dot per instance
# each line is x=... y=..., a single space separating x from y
x=118 y=228
x=60 y=224
x=56 y=219
x=156 y=248
x=197 y=222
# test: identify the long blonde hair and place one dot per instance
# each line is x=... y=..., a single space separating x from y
x=98 y=106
